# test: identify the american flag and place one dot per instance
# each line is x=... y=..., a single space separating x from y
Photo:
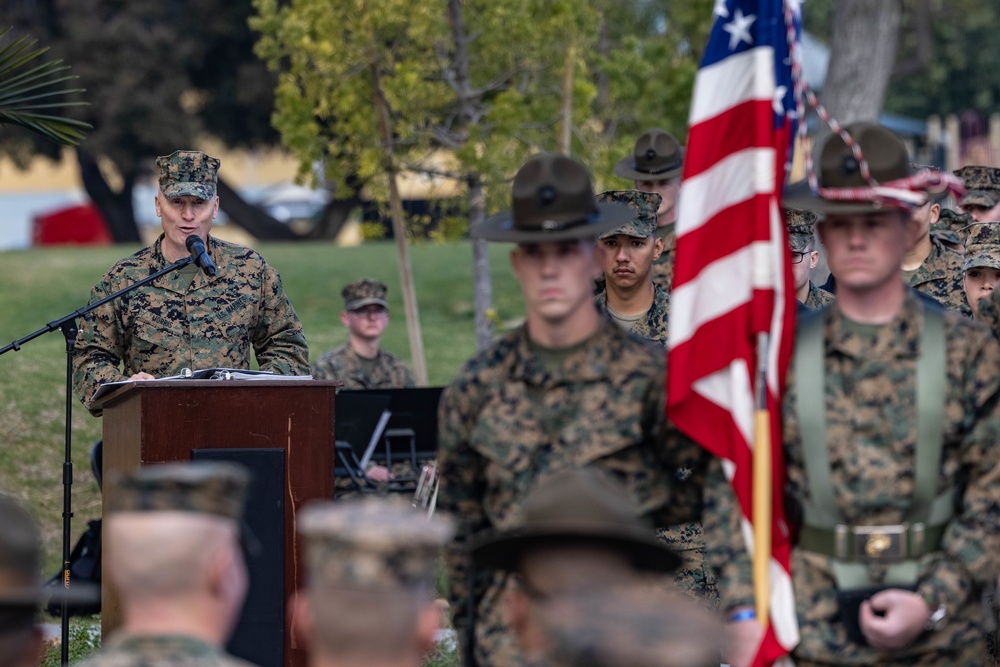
x=732 y=278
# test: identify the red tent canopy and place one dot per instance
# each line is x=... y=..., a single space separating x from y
x=81 y=224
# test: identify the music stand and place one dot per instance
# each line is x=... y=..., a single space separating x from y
x=359 y=429
x=412 y=431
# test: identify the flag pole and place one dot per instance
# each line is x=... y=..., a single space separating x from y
x=761 y=504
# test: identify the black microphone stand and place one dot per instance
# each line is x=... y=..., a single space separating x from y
x=67 y=325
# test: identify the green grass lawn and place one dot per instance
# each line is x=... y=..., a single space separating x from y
x=40 y=285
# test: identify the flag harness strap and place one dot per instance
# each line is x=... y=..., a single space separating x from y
x=855 y=548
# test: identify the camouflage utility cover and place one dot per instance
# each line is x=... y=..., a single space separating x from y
x=188 y=173
x=508 y=423
x=344 y=364
x=983 y=185
x=364 y=293
x=203 y=487
x=161 y=651
x=982 y=245
x=644 y=204
x=372 y=543
x=801 y=228
x=871 y=436
x=177 y=323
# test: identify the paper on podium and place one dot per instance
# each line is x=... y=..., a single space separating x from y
x=203 y=374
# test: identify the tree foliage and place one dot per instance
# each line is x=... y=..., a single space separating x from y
x=632 y=67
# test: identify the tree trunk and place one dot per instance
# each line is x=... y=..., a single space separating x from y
x=862 y=56
x=566 y=114
x=252 y=218
x=481 y=280
x=115 y=207
x=399 y=231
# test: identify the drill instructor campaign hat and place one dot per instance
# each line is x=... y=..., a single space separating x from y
x=581 y=506
x=658 y=156
x=552 y=200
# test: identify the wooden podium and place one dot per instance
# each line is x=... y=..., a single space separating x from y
x=283 y=428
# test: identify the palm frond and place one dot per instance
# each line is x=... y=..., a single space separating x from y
x=22 y=90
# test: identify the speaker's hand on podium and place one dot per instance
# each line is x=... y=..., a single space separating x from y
x=142 y=376
x=379 y=474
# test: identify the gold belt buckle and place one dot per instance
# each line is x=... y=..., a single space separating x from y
x=880 y=543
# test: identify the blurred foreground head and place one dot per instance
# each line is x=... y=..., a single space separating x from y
x=634 y=626
x=371 y=572
x=173 y=547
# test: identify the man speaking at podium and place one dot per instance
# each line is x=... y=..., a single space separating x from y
x=206 y=314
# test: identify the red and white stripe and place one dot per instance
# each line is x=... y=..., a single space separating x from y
x=732 y=281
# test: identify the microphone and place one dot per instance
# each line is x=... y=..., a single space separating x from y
x=197 y=249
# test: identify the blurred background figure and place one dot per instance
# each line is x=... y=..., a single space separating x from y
x=172 y=549
x=369 y=599
x=20 y=587
x=982 y=262
x=655 y=165
x=361 y=363
x=581 y=532
x=805 y=257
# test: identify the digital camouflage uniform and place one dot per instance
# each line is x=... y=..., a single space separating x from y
x=161 y=651
x=508 y=424
x=663 y=268
x=818 y=297
x=871 y=435
x=653 y=326
x=940 y=277
x=176 y=322
x=948 y=227
x=344 y=364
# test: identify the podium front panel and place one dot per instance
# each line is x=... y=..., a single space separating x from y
x=161 y=421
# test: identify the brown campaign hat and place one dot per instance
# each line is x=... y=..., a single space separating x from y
x=838 y=168
x=578 y=506
x=657 y=156
x=552 y=200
